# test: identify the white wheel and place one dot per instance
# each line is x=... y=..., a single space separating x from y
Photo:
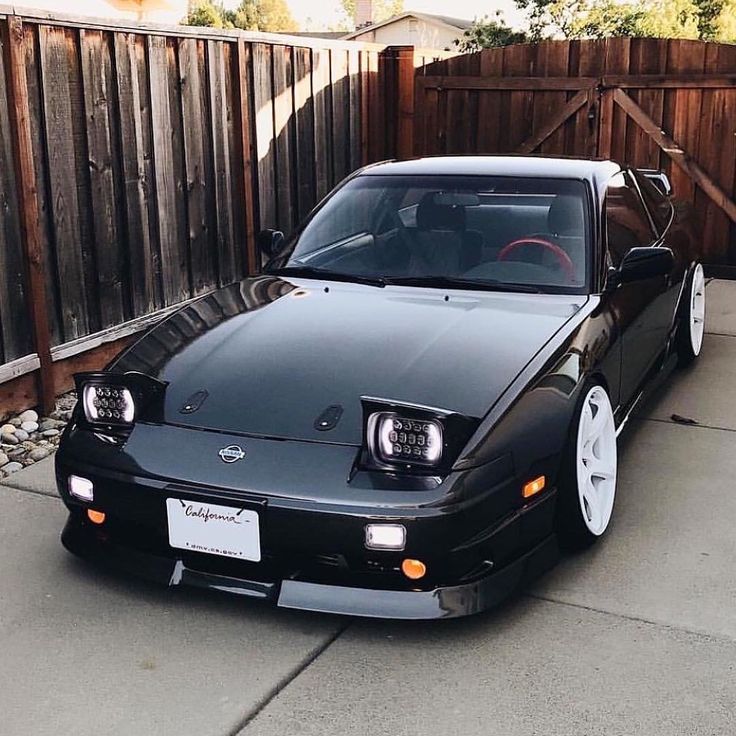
x=596 y=464
x=697 y=310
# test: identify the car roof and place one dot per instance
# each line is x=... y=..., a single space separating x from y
x=596 y=171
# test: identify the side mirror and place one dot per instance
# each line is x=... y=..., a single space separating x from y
x=642 y=263
x=270 y=242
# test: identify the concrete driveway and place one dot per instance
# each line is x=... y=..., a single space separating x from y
x=636 y=636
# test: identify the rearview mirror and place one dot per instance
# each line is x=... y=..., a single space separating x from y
x=642 y=263
x=270 y=242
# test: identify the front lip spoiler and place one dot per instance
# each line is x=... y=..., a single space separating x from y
x=446 y=602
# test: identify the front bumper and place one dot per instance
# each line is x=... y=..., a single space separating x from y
x=477 y=543
x=449 y=601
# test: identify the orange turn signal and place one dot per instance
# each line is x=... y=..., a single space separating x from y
x=413 y=569
x=96 y=517
x=533 y=487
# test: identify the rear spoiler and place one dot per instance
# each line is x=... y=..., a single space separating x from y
x=659 y=179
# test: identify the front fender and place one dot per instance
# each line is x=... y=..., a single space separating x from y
x=531 y=421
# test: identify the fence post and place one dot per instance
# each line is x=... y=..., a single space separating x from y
x=30 y=226
x=404 y=56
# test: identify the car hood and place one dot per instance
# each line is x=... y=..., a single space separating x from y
x=267 y=356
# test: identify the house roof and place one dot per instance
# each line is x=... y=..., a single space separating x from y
x=457 y=24
x=315 y=34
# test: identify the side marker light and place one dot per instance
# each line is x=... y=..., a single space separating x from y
x=533 y=487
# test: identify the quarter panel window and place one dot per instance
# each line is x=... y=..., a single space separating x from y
x=627 y=223
x=657 y=204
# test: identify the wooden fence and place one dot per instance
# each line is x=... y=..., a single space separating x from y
x=654 y=103
x=136 y=165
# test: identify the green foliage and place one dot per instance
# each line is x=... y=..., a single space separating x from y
x=485 y=33
x=250 y=15
x=704 y=19
x=205 y=14
x=652 y=18
x=717 y=21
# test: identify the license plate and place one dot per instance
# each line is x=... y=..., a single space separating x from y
x=213 y=529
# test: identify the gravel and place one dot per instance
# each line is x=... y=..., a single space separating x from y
x=28 y=437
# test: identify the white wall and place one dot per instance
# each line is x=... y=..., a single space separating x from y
x=414 y=32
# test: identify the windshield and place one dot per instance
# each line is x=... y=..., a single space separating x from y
x=490 y=231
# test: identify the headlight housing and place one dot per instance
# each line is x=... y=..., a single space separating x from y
x=114 y=401
x=108 y=404
x=410 y=438
x=401 y=439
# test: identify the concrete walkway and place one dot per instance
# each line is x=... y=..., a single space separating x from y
x=636 y=636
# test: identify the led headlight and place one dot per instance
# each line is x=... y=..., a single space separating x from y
x=400 y=439
x=410 y=438
x=108 y=403
x=115 y=401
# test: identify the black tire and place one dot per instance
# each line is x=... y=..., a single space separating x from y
x=686 y=346
x=572 y=530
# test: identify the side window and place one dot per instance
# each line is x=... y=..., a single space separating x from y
x=627 y=223
x=657 y=204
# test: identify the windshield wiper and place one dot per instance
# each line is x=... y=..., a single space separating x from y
x=311 y=272
x=452 y=282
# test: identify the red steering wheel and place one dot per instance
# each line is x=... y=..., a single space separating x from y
x=562 y=258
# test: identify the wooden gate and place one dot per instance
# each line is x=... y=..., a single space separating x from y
x=654 y=103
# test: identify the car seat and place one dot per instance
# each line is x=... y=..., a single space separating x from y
x=441 y=244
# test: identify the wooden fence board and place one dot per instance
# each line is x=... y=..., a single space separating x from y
x=265 y=149
x=304 y=134
x=283 y=96
x=63 y=179
x=174 y=271
x=136 y=186
x=16 y=338
x=235 y=138
x=101 y=139
x=227 y=259
x=246 y=119
x=340 y=86
x=489 y=103
x=354 y=140
x=197 y=152
x=322 y=95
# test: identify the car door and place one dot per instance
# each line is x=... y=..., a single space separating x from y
x=639 y=307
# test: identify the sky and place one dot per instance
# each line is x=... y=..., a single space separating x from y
x=324 y=13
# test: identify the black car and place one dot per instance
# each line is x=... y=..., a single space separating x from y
x=414 y=405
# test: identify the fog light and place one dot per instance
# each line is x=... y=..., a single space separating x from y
x=82 y=488
x=413 y=569
x=385 y=536
x=533 y=487
x=96 y=517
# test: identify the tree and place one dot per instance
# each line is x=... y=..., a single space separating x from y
x=250 y=15
x=650 y=18
x=205 y=14
x=653 y=18
x=488 y=32
x=382 y=9
x=717 y=20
